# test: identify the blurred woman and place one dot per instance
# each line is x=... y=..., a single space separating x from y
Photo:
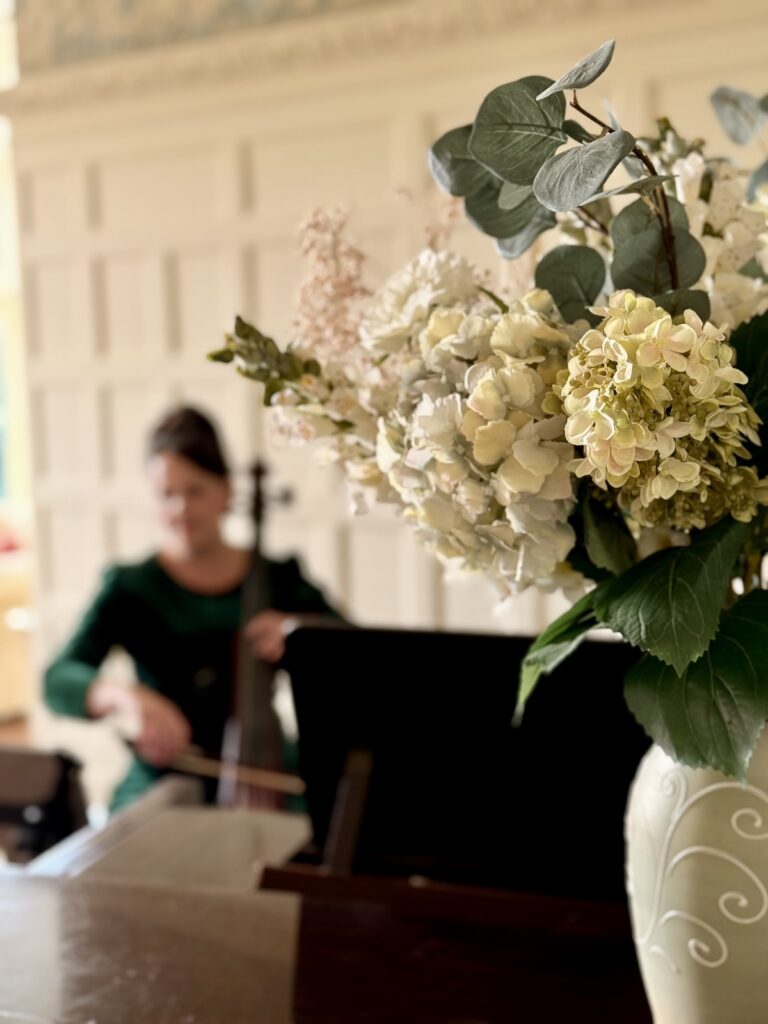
x=177 y=614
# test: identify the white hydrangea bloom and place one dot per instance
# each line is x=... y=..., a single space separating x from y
x=402 y=307
x=475 y=445
x=657 y=411
x=731 y=233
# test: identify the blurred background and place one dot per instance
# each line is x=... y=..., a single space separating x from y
x=156 y=158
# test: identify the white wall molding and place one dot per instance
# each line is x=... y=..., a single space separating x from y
x=403 y=27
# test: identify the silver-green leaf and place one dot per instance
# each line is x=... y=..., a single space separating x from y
x=584 y=73
x=483 y=210
x=515 y=245
x=642 y=186
x=574 y=276
x=452 y=165
x=739 y=113
x=512 y=196
x=641 y=264
x=678 y=301
x=570 y=179
x=513 y=134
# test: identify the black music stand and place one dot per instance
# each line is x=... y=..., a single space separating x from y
x=413 y=765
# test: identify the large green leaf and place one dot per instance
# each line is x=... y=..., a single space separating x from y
x=571 y=178
x=585 y=72
x=607 y=539
x=515 y=245
x=669 y=604
x=677 y=302
x=554 y=645
x=514 y=134
x=484 y=212
x=452 y=165
x=750 y=340
x=639 y=215
x=714 y=712
x=641 y=262
x=739 y=113
x=574 y=276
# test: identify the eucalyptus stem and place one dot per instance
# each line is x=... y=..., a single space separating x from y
x=661 y=210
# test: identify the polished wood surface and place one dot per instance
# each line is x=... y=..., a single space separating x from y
x=74 y=952
x=80 y=952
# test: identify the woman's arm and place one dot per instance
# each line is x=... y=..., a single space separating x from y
x=74 y=686
x=70 y=675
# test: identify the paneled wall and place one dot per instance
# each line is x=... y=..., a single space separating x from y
x=160 y=195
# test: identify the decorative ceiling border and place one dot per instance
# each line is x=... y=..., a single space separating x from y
x=400 y=26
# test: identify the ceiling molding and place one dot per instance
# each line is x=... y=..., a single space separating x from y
x=357 y=33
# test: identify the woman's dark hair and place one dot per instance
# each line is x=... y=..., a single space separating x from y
x=188 y=432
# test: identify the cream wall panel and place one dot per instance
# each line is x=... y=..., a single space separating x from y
x=153 y=212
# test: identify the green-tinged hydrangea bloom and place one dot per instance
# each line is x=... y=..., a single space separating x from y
x=658 y=412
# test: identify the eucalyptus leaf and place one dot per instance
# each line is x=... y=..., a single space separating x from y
x=639 y=215
x=757 y=178
x=585 y=72
x=739 y=113
x=669 y=604
x=711 y=714
x=483 y=210
x=452 y=165
x=643 y=186
x=753 y=269
x=554 y=645
x=511 y=195
x=574 y=276
x=577 y=131
x=764 y=104
x=641 y=262
x=609 y=543
x=571 y=178
x=515 y=245
x=513 y=134
x=677 y=302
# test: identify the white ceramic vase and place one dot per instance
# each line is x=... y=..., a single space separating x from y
x=697 y=878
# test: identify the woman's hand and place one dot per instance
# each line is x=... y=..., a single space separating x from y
x=156 y=727
x=266 y=634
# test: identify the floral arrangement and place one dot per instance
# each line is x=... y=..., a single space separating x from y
x=600 y=433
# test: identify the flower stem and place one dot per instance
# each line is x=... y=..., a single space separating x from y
x=662 y=205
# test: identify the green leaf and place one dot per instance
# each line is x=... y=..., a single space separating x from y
x=640 y=215
x=452 y=165
x=554 y=645
x=641 y=263
x=750 y=340
x=757 y=178
x=574 y=276
x=642 y=186
x=753 y=269
x=484 y=212
x=669 y=604
x=571 y=178
x=512 y=196
x=515 y=245
x=514 y=134
x=713 y=714
x=609 y=543
x=222 y=355
x=577 y=131
x=764 y=104
x=739 y=113
x=677 y=302
x=585 y=72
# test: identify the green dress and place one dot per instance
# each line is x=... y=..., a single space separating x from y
x=183 y=644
